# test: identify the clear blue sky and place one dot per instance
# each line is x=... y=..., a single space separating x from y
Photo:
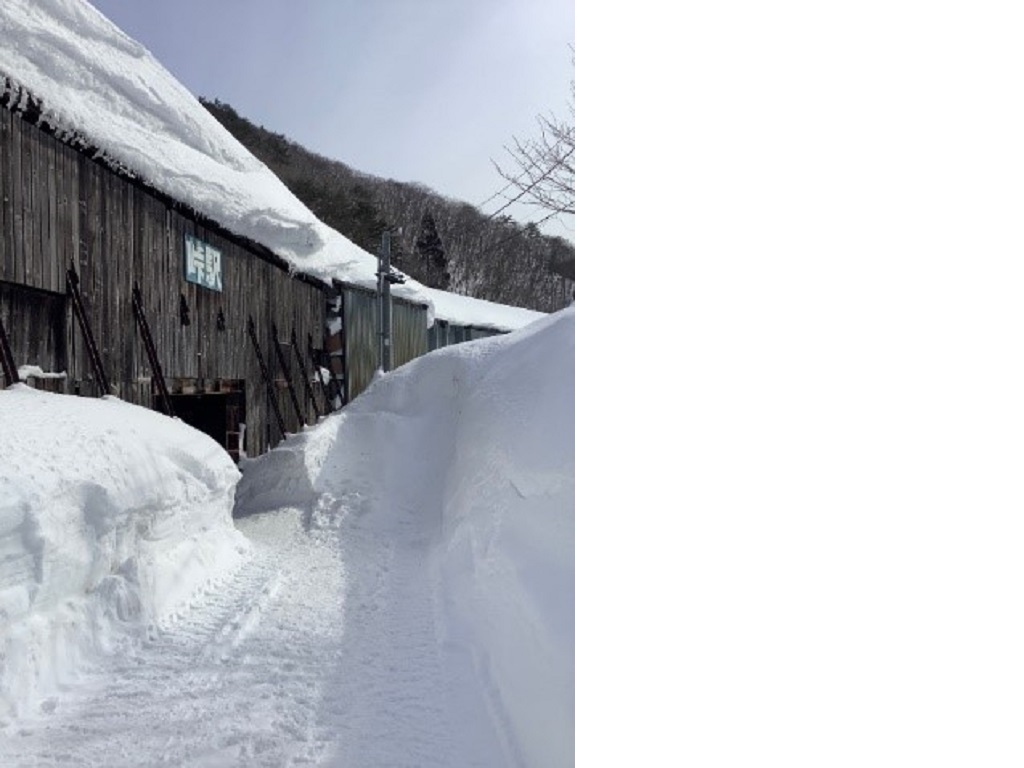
x=415 y=90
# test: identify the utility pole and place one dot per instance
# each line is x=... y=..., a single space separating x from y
x=385 y=277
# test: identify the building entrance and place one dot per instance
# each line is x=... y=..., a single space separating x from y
x=216 y=408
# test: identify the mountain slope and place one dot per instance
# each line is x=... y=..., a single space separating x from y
x=444 y=243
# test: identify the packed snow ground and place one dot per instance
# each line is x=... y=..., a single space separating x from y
x=399 y=589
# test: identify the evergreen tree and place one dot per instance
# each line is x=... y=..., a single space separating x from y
x=433 y=261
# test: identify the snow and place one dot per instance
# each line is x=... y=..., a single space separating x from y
x=35 y=372
x=466 y=310
x=110 y=516
x=397 y=587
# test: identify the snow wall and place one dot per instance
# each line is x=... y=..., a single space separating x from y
x=111 y=516
x=480 y=438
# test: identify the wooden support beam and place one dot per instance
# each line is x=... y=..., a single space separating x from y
x=286 y=371
x=266 y=377
x=147 y=340
x=83 y=324
x=305 y=376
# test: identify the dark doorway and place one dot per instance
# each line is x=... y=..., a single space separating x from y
x=36 y=323
x=218 y=411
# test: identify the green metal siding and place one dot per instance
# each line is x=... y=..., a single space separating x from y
x=361 y=332
x=409 y=332
x=362 y=329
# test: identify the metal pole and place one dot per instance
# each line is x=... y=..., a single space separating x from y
x=380 y=306
x=385 y=308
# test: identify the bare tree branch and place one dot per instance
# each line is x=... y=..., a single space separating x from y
x=542 y=170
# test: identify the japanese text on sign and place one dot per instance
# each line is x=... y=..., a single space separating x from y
x=203 y=264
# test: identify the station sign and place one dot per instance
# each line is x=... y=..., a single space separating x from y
x=203 y=264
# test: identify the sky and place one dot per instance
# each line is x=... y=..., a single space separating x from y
x=427 y=92
x=410 y=602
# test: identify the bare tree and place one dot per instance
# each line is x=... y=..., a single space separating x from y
x=541 y=171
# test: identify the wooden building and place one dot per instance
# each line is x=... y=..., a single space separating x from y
x=76 y=233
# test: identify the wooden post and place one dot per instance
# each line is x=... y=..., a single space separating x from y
x=83 y=323
x=147 y=340
x=266 y=377
x=287 y=374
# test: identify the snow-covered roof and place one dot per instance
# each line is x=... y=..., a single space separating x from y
x=96 y=84
x=466 y=310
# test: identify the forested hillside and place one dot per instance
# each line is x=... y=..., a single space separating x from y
x=444 y=243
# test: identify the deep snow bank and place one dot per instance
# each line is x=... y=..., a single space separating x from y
x=111 y=515
x=507 y=553
x=478 y=438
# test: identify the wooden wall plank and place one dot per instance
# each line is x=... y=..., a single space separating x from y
x=73 y=169
x=32 y=209
x=61 y=224
x=17 y=197
x=6 y=234
x=53 y=194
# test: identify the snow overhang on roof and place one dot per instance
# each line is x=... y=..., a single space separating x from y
x=464 y=310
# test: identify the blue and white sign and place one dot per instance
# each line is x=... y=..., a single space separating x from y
x=203 y=264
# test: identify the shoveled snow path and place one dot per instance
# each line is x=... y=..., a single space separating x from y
x=390 y=699
x=238 y=679
x=321 y=649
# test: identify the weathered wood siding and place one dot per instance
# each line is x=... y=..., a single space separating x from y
x=61 y=208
